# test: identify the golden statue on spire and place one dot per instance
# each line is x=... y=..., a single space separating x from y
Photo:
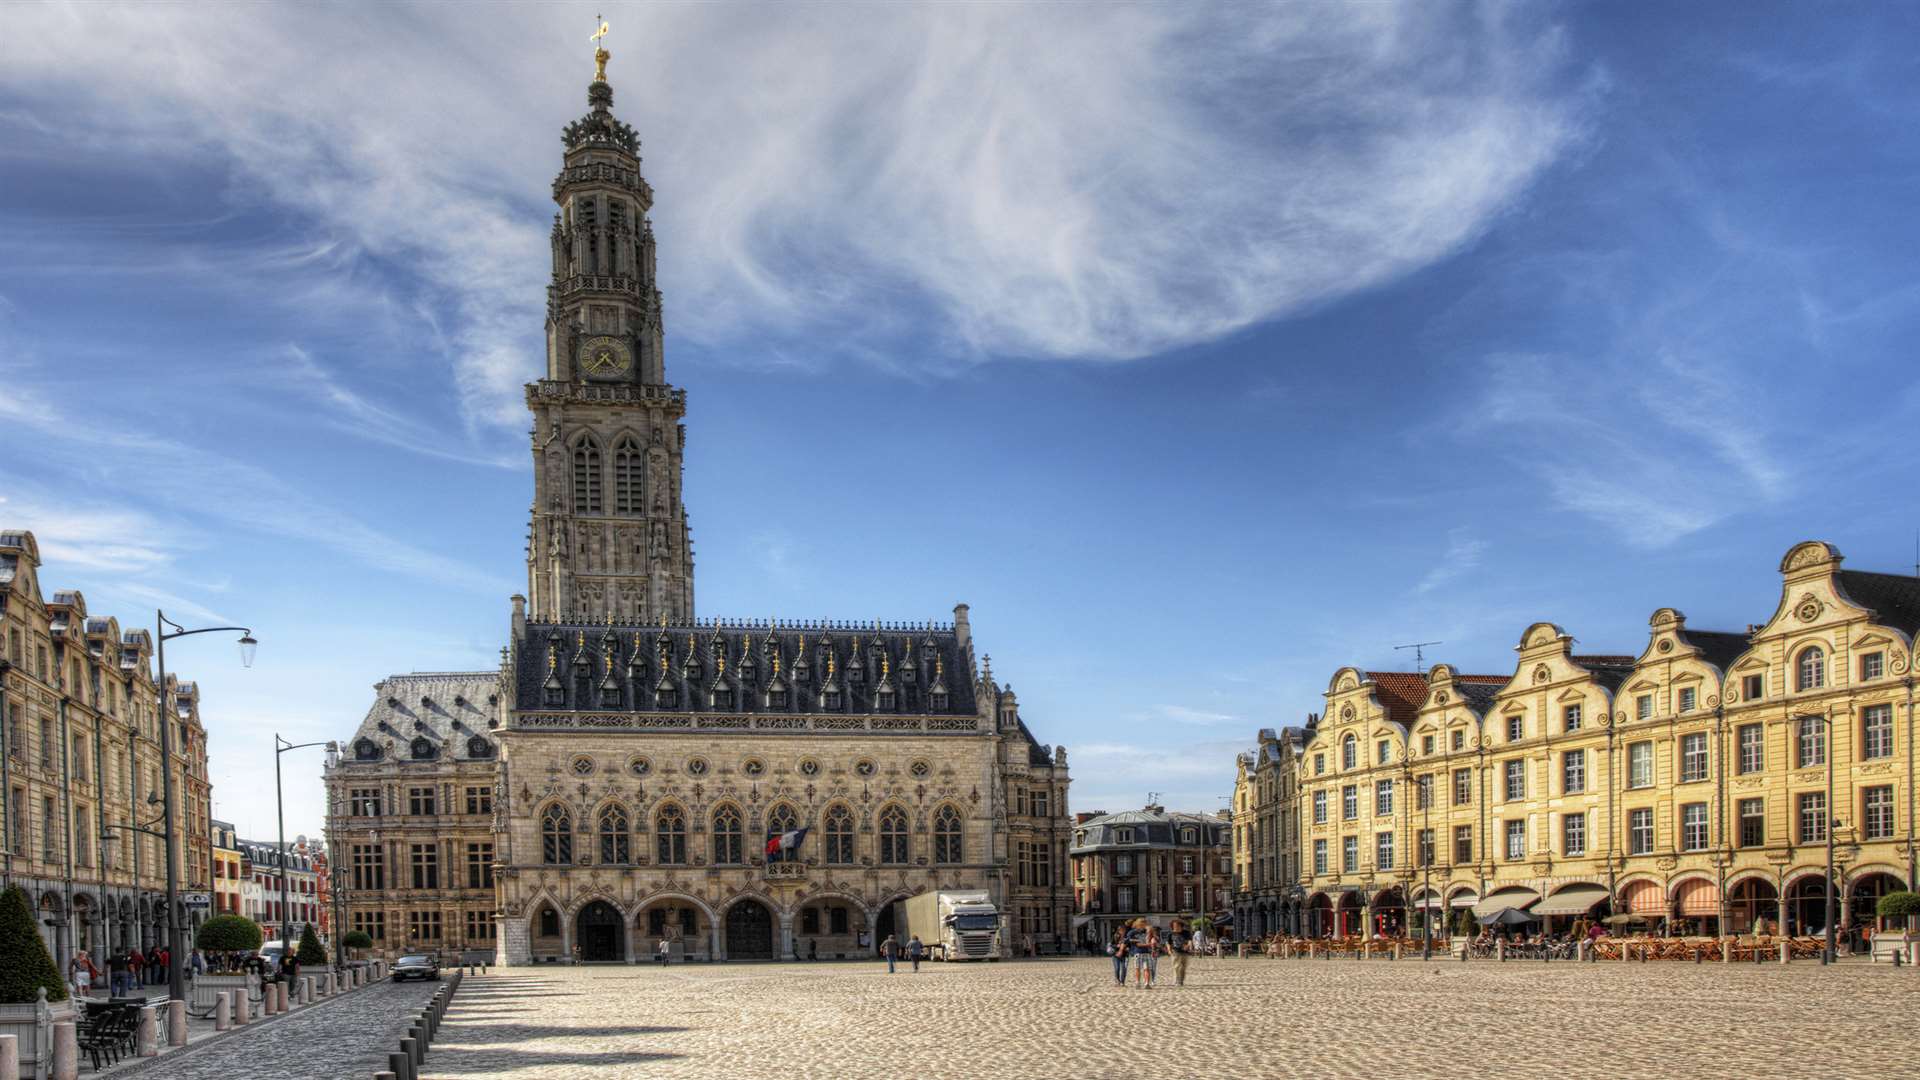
x=600 y=54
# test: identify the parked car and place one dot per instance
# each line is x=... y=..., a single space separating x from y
x=417 y=966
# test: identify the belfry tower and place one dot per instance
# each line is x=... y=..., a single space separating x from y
x=608 y=536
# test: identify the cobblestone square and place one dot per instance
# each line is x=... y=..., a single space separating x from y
x=1235 y=1018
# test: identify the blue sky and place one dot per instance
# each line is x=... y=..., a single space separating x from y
x=1201 y=350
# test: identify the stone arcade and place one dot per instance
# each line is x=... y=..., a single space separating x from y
x=614 y=786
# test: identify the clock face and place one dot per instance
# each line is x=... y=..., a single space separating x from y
x=605 y=357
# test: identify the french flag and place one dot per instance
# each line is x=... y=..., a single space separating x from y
x=782 y=846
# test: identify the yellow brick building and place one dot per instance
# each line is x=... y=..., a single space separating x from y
x=1689 y=784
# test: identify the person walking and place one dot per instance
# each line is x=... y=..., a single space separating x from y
x=915 y=950
x=1137 y=951
x=663 y=954
x=813 y=949
x=81 y=973
x=1179 y=946
x=119 y=973
x=136 y=965
x=890 y=949
x=1155 y=946
x=1117 y=948
x=164 y=976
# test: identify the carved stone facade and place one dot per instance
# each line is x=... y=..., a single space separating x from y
x=636 y=760
x=1266 y=834
x=1687 y=783
x=79 y=730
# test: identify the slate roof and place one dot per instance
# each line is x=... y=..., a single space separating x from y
x=1718 y=647
x=584 y=667
x=1479 y=691
x=1151 y=828
x=450 y=709
x=1609 y=669
x=1893 y=598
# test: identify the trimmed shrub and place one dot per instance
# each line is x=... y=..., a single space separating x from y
x=1898 y=905
x=310 y=951
x=228 y=933
x=357 y=939
x=25 y=964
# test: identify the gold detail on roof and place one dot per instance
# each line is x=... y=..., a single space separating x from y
x=600 y=55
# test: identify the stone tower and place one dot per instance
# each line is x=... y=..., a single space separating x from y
x=609 y=535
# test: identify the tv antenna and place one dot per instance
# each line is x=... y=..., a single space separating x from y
x=1419 y=652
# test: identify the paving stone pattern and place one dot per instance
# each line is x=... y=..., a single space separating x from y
x=344 y=1039
x=1235 y=1019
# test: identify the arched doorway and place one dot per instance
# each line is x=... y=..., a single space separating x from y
x=1807 y=905
x=1863 y=900
x=1352 y=916
x=601 y=933
x=1389 y=913
x=885 y=922
x=1320 y=916
x=1752 y=903
x=749 y=931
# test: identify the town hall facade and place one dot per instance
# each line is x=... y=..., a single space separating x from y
x=613 y=786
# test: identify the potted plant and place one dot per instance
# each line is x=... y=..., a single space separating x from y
x=309 y=952
x=227 y=941
x=33 y=996
x=1899 y=927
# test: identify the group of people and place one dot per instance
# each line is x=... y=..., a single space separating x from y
x=126 y=969
x=1141 y=944
x=915 y=951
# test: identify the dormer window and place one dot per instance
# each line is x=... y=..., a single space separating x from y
x=723 y=697
x=423 y=749
x=830 y=699
x=478 y=747
x=556 y=696
x=939 y=698
x=366 y=750
x=884 y=699
x=610 y=697
x=666 y=697
x=1123 y=836
x=777 y=698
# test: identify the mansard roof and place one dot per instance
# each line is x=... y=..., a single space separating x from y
x=1893 y=598
x=578 y=666
x=449 y=709
x=1152 y=827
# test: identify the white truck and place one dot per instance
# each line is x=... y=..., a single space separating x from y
x=952 y=925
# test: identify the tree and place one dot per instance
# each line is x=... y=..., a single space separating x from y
x=25 y=964
x=310 y=951
x=357 y=939
x=1202 y=924
x=228 y=933
x=1898 y=905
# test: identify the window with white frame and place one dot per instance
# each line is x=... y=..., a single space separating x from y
x=1517 y=839
x=1689 y=698
x=1320 y=856
x=1813 y=817
x=1876 y=731
x=1753 y=687
x=1383 y=851
x=1349 y=752
x=1753 y=748
x=1423 y=792
x=1573 y=829
x=1693 y=826
x=1571 y=717
x=1811 y=672
x=1350 y=802
x=1573 y=772
x=1876 y=813
x=1516 y=780
x=1383 y=798
x=1463 y=843
x=1643 y=707
x=1873 y=665
x=1640 y=831
x=1350 y=854
x=1463 y=787
x=1693 y=756
x=1320 y=807
x=1516 y=728
x=1640 y=765
x=1753 y=822
x=1810 y=742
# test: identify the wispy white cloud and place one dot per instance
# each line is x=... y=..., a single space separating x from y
x=1464 y=551
x=1183 y=714
x=1028 y=180
x=353 y=412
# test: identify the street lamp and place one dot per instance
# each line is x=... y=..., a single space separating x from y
x=176 y=974
x=281 y=746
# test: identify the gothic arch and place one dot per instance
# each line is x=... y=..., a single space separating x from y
x=646 y=900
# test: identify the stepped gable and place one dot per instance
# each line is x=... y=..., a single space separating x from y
x=743 y=667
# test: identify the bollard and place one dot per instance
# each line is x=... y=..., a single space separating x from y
x=222 y=1011
x=240 y=1007
x=66 y=1052
x=146 y=1038
x=1396 y=950
x=1784 y=953
x=9 y=1057
x=411 y=1048
x=306 y=989
x=399 y=1066
x=1500 y=950
x=176 y=1022
x=1699 y=957
x=387 y=1075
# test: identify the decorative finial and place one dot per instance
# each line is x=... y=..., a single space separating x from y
x=600 y=55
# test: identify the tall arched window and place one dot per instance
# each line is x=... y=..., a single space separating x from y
x=670 y=832
x=839 y=836
x=726 y=836
x=948 y=846
x=1349 y=752
x=1813 y=669
x=628 y=466
x=893 y=835
x=586 y=476
x=781 y=820
x=615 y=846
x=556 y=836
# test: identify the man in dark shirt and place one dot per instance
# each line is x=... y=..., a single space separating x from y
x=1180 y=944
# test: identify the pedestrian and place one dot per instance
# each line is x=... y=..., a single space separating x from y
x=119 y=975
x=663 y=954
x=166 y=966
x=1117 y=948
x=890 y=949
x=1137 y=951
x=199 y=963
x=153 y=966
x=137 y=966
x=813 y=949
x=1026 y=945
x=1179 y=946
x=915 y=950
x=1154 y=948
x=81 y=973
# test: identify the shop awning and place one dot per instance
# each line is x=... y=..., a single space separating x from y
x=1428 y=899
x=1513 y=896
x=1697 y=896
x=1465 y=898
x=1572 y=900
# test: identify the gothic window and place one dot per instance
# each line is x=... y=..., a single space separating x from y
x=556 y=836
x=947 y=842
x=614 y=844
x=670 y=835
x=781 y=820
x=893 y=836
x=549 y=922
x=628 y=467
x=839 y=836
x=586 y=476
x=726 y=836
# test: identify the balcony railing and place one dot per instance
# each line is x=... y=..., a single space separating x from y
x=786 y=871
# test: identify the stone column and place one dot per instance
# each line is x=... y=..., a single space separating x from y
x=786 y=937
x=222 y=1011
x=9 y=1057
x=66 y=1052
x=240 y=1007
x=146 y=1038
x=176 y=1022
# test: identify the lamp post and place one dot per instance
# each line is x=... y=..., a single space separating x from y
x=1827 y=734
x=281 y=746
x=176 y=975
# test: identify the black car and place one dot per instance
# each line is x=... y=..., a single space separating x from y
x=416 y=967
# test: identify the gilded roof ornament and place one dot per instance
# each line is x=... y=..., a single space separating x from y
x=600 y=54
